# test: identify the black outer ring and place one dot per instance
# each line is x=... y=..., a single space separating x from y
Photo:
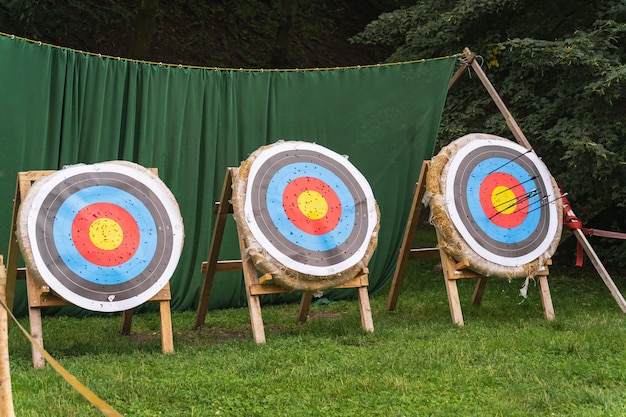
x=509 y=250
x=258 y=192
x=73 y=282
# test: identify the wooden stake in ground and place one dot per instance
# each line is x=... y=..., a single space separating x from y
x=6 y=398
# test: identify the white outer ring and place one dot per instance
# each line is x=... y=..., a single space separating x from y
x=156 y=187
x=455 y=218
x=280 y=256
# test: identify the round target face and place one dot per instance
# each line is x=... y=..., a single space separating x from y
x=500 y=197
x=309 y=208
x=106 y=237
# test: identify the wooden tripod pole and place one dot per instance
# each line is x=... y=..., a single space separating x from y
x=6 y=396
x=599 y=267
x=521 y=139
x=508 y=117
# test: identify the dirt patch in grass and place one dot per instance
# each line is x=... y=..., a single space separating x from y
x=324 y=315
x=219 y=335
x=143 y=337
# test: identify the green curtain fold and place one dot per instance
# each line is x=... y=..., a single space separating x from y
x=61 y=107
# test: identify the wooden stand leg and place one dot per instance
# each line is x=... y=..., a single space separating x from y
x=254 y=301
x=305 y=305
x=33 y=292
x=394 y=291
x=366 y=310
x=407 y=240
x=36 y=331
x=447 y=264
x=167 y=336
x=360 y=283
x=256 y=319
x=454 y=302
x=165 y=315
x=223 y=209
x=546 y=299
x=479 y=290
x=127 y=320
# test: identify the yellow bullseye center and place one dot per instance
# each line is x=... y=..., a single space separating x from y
x=503 y=199
x=106 y=234
x=312 y=204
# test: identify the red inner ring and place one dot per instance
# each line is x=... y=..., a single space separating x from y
x=98 y=256
x=496 y=215
x=328 y=222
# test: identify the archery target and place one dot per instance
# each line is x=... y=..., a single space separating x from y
x=106 y=237
x=502 y=201
x=309 y=211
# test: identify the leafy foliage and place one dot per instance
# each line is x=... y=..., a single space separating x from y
x=561 y=69
x=221 y=33
x=50 y=20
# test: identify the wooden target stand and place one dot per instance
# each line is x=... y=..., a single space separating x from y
x=260 y=285
x=452 y=270
x=41 y=296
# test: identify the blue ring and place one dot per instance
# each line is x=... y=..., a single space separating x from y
x=109 y=275
x=274 y=202
x=495 y=232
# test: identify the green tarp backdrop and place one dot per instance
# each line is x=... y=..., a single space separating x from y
x=60 y=107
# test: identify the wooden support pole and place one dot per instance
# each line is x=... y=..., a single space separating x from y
x=366 y=310
x=223 y=211
x=459 y=72
x=34 y=318
x=409 y=234
x=167 y=334
x=600 y=268
x=6 y=396
x=546 y=299
x=254 y=301
x=479 y=290
x=305 y=306
x=508 y=117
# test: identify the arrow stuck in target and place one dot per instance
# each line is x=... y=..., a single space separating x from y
x=514 y=202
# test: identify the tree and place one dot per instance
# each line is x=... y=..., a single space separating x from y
x=561 y=68
x=145 y=24
x=282 y=49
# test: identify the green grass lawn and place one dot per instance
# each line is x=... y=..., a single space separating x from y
x=506 y=361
